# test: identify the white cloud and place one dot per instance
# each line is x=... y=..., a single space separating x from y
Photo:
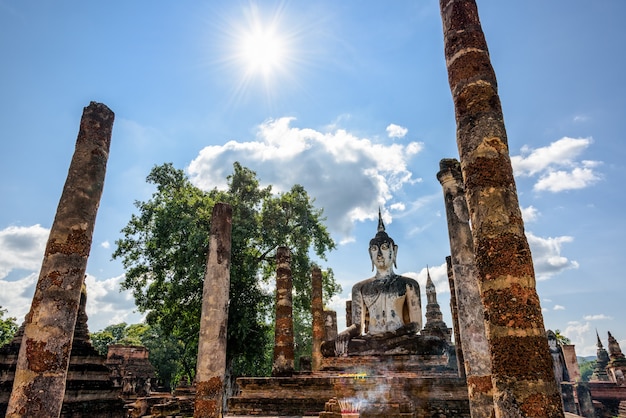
x=22 y=247
x=396 y=131
x=598 y=317
x=105 y=244
x=107 y=305
x=559 y=308
x=17 y=295
x=557 y=165
x=559 y=153
x=349 y=176
x=558 y=181
x=582 y=336
x=439 y=276
x=530 y=214
x=547 y=257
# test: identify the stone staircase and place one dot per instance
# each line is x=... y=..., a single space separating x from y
x=428 y=385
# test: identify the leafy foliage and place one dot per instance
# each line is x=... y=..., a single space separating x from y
x=586 y=368
x=562 y=339
x=164 y=252
x=8 y=327
x=117 y=334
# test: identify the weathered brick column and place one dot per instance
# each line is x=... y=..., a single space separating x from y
x=348 y=313
x=454 y=308
x=41 y=370
x=317 y=310
x=211 y=365
x=283 y=336
x=476 y=357
x=523 y=380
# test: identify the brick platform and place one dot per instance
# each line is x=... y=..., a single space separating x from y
x=306 y=395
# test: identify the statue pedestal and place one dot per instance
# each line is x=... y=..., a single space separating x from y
x=372 y=365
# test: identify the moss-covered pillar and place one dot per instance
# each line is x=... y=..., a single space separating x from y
x=283 y=335
x=39 y=384
x=317 y=311
x=476 y=357
x=521 y=366
x=211 y=364
x=454 y=308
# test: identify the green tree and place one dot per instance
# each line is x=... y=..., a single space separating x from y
x=118 y=334
x=8 y=327
x=164 y=252
x=586 y=369
x=562 y=339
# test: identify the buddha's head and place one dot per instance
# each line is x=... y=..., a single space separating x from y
x=382 y=248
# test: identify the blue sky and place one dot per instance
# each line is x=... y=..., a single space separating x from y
x=349 y=99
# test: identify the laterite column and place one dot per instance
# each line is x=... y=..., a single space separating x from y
x=283 y=337
x=454 y=308
x=476 y=357
x=521 y=365
x=39 y=384
x=211 y=364
x=317 y=310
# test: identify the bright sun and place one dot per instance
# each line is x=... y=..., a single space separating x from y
x=262 y=51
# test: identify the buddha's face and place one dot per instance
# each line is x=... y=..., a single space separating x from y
x=382 y=255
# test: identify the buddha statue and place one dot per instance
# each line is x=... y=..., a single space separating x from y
x=387 y=301
x=383 y=306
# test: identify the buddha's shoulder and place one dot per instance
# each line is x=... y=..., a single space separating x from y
x=408 y=280
x=362 y=283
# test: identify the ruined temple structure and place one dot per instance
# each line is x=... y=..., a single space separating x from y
x=605 y=393
x=607 y=385
x=599 y=372
x=616 y=368
x=435 y=326
x=131 y=371
x=89 y=390
x=385 y=360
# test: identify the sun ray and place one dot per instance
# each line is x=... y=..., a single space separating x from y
x=262 y=50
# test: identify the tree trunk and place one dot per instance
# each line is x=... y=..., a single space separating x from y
x=522 y=375
x=39 y=384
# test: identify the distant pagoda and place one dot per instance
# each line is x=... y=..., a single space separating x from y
x=599 y=372
x=435 y=326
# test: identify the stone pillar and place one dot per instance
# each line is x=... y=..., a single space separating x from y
x=477 y=361
x=521 y=367
x=283 y=336
x=317 y=310
x=330 y=325
x=211 y=364
x=348 y=313
x=454 y=308
x=571 y=362
x=569 y=400
x=43 y=359
x=585 y=403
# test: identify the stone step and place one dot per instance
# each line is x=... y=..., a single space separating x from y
x=307 y=395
